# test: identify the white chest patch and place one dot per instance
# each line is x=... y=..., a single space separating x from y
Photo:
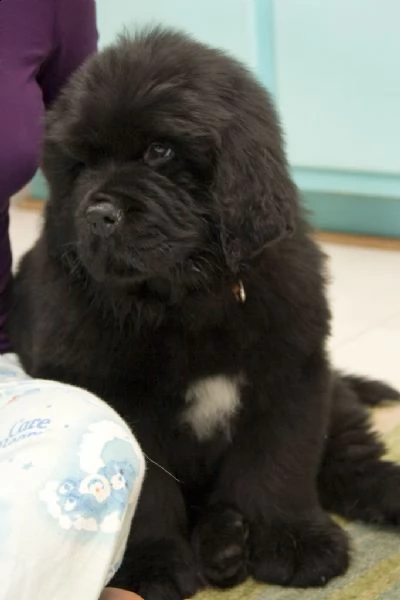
x=211 y=405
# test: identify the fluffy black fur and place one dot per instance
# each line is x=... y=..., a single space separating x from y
x=169 y=185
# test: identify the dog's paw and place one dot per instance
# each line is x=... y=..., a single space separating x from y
x=300 y=553
x=220 y=545
x=159 y=570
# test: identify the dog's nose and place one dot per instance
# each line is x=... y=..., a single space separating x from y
x=104 y=218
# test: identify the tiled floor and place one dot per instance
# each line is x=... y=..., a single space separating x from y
x=365 y=293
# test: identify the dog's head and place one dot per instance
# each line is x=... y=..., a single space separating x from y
x=165 y=162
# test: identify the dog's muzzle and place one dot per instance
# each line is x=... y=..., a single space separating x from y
x=104 y=218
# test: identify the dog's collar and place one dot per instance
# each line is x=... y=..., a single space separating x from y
x=239 y=292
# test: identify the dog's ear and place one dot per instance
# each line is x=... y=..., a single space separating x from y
x=255 y=196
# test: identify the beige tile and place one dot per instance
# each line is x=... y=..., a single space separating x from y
x=374 y=354
x=24 y=229
x=364 y=289
x=392 y=324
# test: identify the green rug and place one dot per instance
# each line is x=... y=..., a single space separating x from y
x=375 y=569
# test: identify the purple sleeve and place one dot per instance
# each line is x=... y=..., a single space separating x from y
x=75 y=38
x=62 y=33
x=5 y=279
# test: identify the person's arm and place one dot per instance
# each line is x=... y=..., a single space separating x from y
x=75 y=39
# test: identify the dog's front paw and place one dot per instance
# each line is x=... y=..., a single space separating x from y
x=299 y=553
x=159 y=570
x=219 y=542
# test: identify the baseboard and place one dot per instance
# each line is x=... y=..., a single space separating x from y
x=362 y=241
x=27 y=202
x=376 y=216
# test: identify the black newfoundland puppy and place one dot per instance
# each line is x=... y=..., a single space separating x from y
x=176 y=278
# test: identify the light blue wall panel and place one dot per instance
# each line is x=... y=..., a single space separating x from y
x=333 y=66
x=338 y=82
x=228 y=24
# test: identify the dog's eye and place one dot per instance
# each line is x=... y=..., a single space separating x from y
x=158 y=154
